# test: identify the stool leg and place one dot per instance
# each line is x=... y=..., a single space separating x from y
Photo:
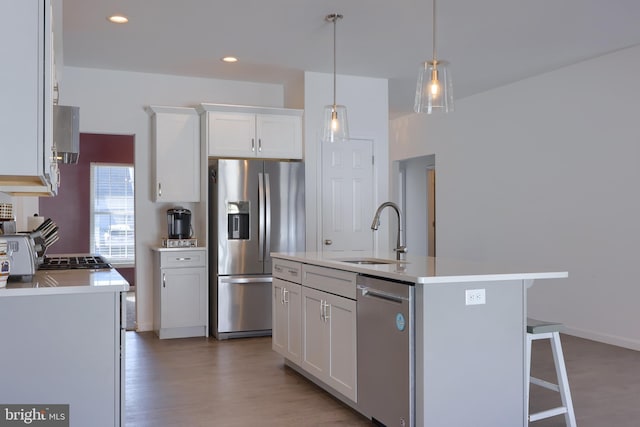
x=527 y=380
x=563 y=380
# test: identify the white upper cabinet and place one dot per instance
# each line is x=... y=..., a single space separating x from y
x=279 y=136
x=175 y=135
x=28 y=164
x=247 y=132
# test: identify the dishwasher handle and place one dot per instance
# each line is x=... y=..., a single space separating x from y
x=374 y=293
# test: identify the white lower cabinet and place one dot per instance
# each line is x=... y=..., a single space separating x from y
x=314 y=324
x=66 y=348
x=329 y=344
x=287 y=324
x=180 y=294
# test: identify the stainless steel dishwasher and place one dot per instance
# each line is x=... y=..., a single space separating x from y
x=385 y=346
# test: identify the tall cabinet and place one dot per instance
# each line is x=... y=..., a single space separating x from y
x=30 y=166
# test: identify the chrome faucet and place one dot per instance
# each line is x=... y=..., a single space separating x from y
x=400 y=249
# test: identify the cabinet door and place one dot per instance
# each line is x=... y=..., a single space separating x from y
x=25 y=113
x=293 y=300
x=315 y=351
x=231 y=134
x=176 y=136
x=183 y=299
x=280 y=328
x=341 y=368
x=287 y=319
x=279 y=136
x=20 y=39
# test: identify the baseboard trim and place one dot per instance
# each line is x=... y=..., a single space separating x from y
x=603 y=338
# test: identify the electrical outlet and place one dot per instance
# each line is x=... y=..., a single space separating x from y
x=474 y=297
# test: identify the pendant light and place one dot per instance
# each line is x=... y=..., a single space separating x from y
x=335 y=124
x=434 y=91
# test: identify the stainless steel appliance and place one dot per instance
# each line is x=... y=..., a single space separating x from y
x=66 y=133
x=7 y=227
x=26 y=250
x=256 y=207
x=22 y=254
x=74 y=262
x=385 y=348
x=179 y=223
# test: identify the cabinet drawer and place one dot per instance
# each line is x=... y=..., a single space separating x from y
x=182 y=258
x=287 y=270
x=337 y=282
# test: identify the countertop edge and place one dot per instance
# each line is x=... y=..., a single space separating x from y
x=62 y=290
x=423 y=279
x=67 y=282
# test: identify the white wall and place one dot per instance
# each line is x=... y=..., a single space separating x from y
x=367 y=105
x=414 y=201
x=545 y=173
x=112 y=102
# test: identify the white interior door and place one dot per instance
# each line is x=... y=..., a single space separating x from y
x=347 y=196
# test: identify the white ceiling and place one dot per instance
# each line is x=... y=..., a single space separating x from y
x=489 y=43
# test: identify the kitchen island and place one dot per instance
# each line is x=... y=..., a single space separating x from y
x=457 y=357
x=62 y=335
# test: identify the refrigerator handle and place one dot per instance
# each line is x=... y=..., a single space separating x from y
x=261 y=215
x=267 y=234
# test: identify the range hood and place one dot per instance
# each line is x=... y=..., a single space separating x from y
x=66 y=133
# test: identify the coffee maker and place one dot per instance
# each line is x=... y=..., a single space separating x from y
x=179 y=223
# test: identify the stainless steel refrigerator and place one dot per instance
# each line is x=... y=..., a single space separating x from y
x=255 y=207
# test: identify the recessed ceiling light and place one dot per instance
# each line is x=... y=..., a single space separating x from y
x=118 y=19
x=230 y=59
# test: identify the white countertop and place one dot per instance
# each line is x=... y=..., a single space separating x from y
x=163 y=249
x=420 y=269
x=50 y=282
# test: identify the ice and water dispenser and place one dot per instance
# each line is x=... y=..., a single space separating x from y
x=238 y=220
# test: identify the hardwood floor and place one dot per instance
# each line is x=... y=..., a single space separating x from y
x=196 y=382
x=203 y=382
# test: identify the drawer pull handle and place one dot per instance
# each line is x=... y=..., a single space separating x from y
x=293 y=272
x=278 y=268
x=164 y=280
x=183 y=259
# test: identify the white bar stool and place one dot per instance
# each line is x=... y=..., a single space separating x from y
x=538 y=330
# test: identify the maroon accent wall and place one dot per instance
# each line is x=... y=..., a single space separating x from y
x=71 y=207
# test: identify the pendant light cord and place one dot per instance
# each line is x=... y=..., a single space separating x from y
x=335 y=18
x=434 y=33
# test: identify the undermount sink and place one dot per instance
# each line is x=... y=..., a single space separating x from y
x=368 y=261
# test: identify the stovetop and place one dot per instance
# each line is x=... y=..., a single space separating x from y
x=94 y=262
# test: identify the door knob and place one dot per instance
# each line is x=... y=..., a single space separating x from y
x=328 y=242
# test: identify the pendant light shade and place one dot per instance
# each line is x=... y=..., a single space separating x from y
x=335 y=127
x=335 y=124
x=434 y=91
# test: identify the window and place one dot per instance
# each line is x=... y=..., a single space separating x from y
x=112 y=212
